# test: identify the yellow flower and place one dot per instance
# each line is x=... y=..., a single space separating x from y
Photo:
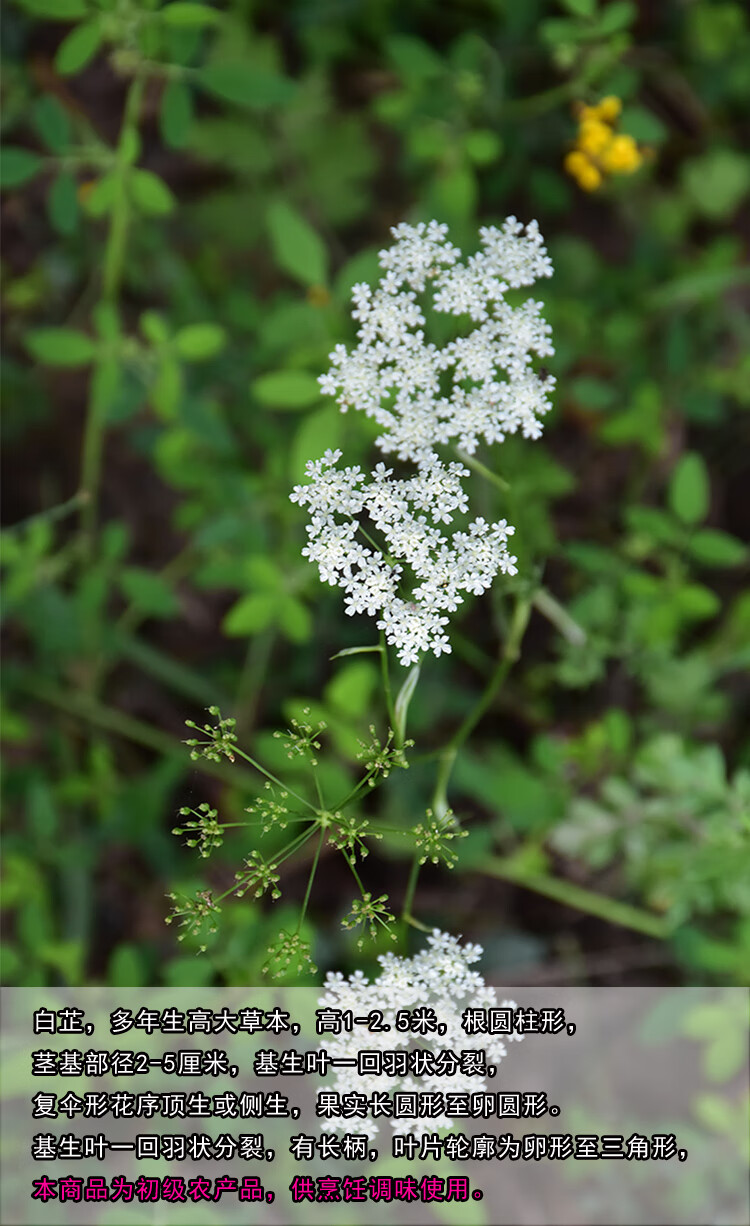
x=609 y=108
x=622 y=156
x=594 y=136
x=583 y=170
x=589 y=177
x=574 y=161
x=600 y=150
x=588 y=113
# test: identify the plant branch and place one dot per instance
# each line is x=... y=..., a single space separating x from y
x=580 y=899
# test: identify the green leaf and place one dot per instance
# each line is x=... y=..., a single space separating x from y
x=295 y=620
x=166 y=392
x=98 y=200
x=296 y=246
x=251 y=614
x=697 y=287
x=617 y=16
x=199 y=342
x=183 y=13
x=176 y=114
x=643 y=125
x=654 y=524
x=580 y=8
x=696 y=601
x=261 y=571
x=62 y=203
x=17 y=166
x=60 y=347
x=351 y=689
x=355 y=651
x=364 y=266
x=127 y=967
x=51 y=123
x=593 y=393
x=689 y=489
x=188 y=973
x=483 y=146
x=717 y=182
x=727 y=1055
x=414 y=58
x=403 y=698
x=287 y=389
x=78 y=47
x=454 y=194
x=148 y=591
x=245 y=86
x=154 y=327
x=715 y=1113
x=715 y=548
x=561 y=32
x=317 y=432
x=150 y=193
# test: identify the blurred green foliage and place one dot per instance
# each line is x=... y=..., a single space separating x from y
x=190 y=191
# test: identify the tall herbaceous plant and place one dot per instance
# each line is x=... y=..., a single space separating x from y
x=402 y=541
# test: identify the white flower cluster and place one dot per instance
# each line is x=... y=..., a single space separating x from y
x=438 y=978
x=399 y=379
x=443 y=567
x=480 y=386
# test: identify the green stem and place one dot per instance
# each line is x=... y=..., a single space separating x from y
x=53 y=514
x=253 y=675
x=479 y=660
x=508 y=658
x=83 y=707
x=112 y=720
x=411 y=889
x=537 y=104
x=545 y=603
x=318 y=788
x=446 y=760
x=168 y=671
x=284 y=786
x=310 y=880
x=114 y=254
x=355 y=874
x=355 y=791
x=511 y=652
x=385 y=673
x=297 y=842
x=378 y=548
x=104 y=376
x=579 y=898
x=483 y=470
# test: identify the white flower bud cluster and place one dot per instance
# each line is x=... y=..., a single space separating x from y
x=480 y=386
x=438 y=978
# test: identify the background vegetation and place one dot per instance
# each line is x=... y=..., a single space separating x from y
x=189 y=193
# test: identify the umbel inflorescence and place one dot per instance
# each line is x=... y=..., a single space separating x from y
x=437 y=987
x=478 y=387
